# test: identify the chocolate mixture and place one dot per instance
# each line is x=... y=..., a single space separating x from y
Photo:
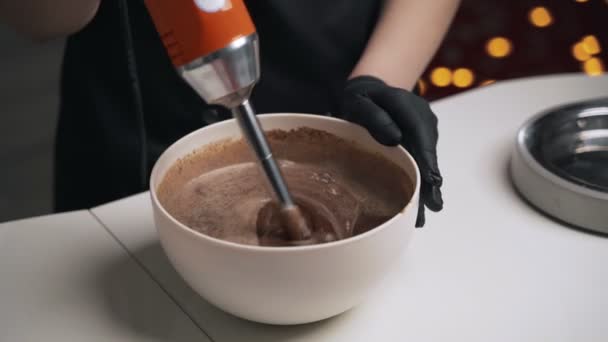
x=341 y=189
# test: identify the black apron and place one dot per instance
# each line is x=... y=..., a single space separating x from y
x=105 y=150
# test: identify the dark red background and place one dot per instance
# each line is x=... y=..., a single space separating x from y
x=536 y=51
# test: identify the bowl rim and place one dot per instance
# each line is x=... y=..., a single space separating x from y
x=537 y=167
x=278 y=249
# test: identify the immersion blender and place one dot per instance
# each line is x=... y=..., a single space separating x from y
x=213 y=45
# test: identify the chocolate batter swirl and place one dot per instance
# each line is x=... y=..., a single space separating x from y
x=341 y=189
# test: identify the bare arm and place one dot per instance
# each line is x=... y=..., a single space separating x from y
x=46 y=19
x=405 y=39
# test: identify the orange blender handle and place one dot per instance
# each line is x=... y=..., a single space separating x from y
x=191 y=29
x=198 y=35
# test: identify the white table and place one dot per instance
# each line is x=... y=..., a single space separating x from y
x=488 y=268
x=65 y=278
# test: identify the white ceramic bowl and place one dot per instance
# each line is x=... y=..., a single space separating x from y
x=284 y=285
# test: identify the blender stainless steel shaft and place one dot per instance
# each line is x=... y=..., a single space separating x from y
x=252 y=131
x=226 y=77
x=214 y=46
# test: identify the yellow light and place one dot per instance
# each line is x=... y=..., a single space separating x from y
x=591 y=45
x=441 y=76
x=593 y=67
x=581 y=0
x=578 y=51
x=540 y=17
x=487 y=82
x=463 y=77
x=422 y=86
x=498 y=47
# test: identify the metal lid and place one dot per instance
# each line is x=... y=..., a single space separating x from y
x=560 y=163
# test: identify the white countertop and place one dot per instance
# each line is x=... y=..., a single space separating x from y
x=64 y=278
x=487 y=268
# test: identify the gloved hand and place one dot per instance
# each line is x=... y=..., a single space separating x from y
x=396 y=116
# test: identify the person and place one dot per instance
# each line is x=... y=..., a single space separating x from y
x=122 y=103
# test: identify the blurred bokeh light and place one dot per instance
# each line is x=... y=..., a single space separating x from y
x=463 y=77
x=540 y=16
x=499 y=47
x=441 y=77
x=493 y=40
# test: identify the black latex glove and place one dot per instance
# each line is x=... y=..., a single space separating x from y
x=396 y=116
